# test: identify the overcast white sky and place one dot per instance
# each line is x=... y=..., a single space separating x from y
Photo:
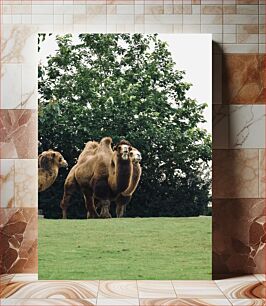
x=191 y=52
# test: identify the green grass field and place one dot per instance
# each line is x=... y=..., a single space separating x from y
x=140 y=248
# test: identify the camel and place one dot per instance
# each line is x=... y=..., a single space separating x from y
x=124 y=198
x=101 y=174
x=49 y=163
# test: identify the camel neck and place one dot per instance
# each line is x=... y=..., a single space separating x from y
x=53 y=170
x=123 y=174
x=135 y=177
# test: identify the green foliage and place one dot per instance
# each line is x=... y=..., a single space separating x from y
x=126 y=86
x=139 y=248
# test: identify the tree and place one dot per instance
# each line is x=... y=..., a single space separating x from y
x=126 y=86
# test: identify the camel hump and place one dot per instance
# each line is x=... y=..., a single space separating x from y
x=105 y=143
x=91 y=145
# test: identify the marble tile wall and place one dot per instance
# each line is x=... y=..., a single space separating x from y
x=18 y=232
x=238 y=28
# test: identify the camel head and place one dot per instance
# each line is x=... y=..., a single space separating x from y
x=123 y=148
x=50 y=158
x=135 y=156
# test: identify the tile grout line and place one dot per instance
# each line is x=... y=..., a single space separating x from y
x=174 y=289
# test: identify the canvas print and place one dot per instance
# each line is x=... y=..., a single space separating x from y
x=124 y=176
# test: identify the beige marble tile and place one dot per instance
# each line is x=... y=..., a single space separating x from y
x=52 y=290
x=159 y=28
x=240 y=19
x=191 y=19
x=262 y=49
x=248 y=28
x=247 y=126
x=195 y=9
x=117 y=302
x=184 y=302
x=242 y=287
x=139 y=19
x=248 y=302
x=29 y=93
x=21 y=9
x=49 y=302
x=7 y=180
x=17 y=44
x=262 y=38
x=229 y=38
x=125 y=9
x=197 y=289
x=118 y=290
x=188 y=28
x=44 y=9
x=235 y=173
x=240 y=48
x=262 y=173
x=125 y=28
x=247 y=9
x=139 y=28
x=4 y=280
x=21 y=81
x=187 y=8
x=209 y=28
x=42 y=19
x=211 y=19
x=247 y=38
x=153 y=9
x=229 y=28
x=229 y=9
x=163 y=19
x=11 y=86
x=156 y=289
x=178 y=9
x=139 y=9
x=260 y=277
x=211 y=9
x=247 y=1
x=120 y=19
x=18 y=129
x=79 y=9
x=96 y=9
x=26 y=183
x=25 y=277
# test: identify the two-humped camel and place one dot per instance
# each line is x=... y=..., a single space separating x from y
x=104 y=175
x=49 y=163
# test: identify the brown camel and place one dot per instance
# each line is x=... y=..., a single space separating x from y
x=101 y=174
x=49 y=164
x=124 y=197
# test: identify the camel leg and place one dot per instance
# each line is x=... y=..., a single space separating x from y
x=121 y=203
x=65 y=203
x=101 y=191
x=70 y=188
x=120 y=209
x=89 y=203
x=105 y=206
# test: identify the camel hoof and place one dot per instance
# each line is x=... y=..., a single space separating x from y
x=106 y=216
x=92 y=216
